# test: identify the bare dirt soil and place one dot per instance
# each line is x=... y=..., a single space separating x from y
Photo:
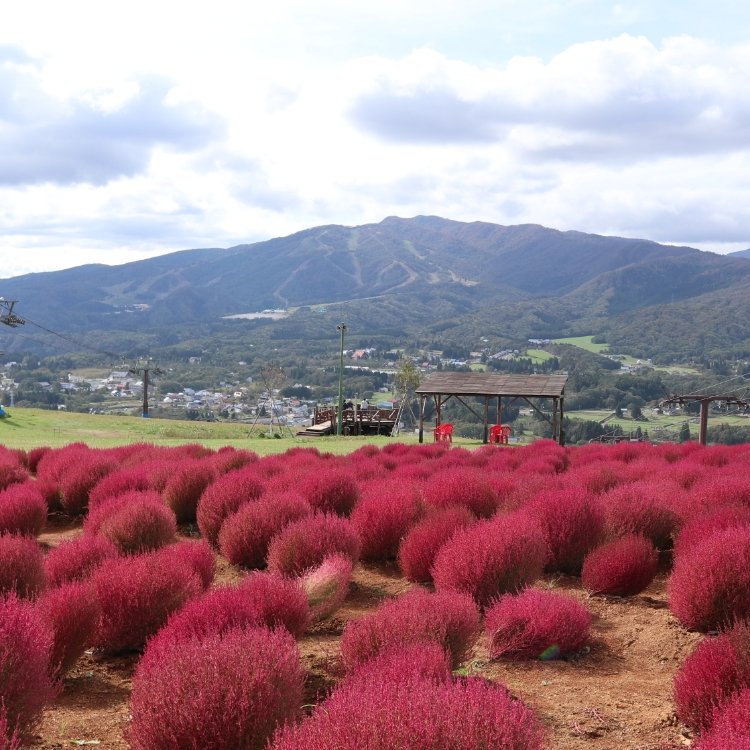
x=618 y=695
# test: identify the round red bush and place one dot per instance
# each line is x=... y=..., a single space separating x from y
x=118 y=482
x=136 y=595
x=246 y=534
x=730 y=727
x=448 y=618
x=383 y=515
x=77 y=559
x=327 y=585
x=11 y=471
x=185 y=487
x=498 y=556
x=697 y=528
x=250 y=682
x=21 y=566
x=81 y=477
x=462 y=486
x=25 y=646
x=329 y=489
x=72 y=612
x=418 y=548
x=623 y=567
x=23 y=510
x=536 y=625
x=223 y=497
x=709 y=584
x=304 y=544
x=470 y=714
x=717 y=670
x=197 y=555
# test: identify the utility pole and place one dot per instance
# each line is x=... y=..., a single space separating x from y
x=340 y=410
x=705 y=401
x=145 y=368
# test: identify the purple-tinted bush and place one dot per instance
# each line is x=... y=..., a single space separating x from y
x=448 y=618
x=498 y=556
x=327 y=585
x=21 y=566
x=417 y=550
x=250 y=681
x=709 y=584
x=623 y=567
x=717 y=670
x=304 y=544
x=224 y=496
x=72 y=612
x=383 y=515
x=23 y=510
x=470 y=714
x=246 y=534
x=77 y=559
x=25 y=682
x=536 y=625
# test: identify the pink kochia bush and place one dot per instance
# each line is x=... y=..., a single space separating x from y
x=223 y=497
x=21 y=566
x=185 y=487
x=470 y=714
x=624 y=567
x=23 y=510
x=447 y=618
x=383 y=515
x=136 y=521
x=709 y=584
x=81 y=477
x=72 y=612
x=329 y=489
x=536 y=625
x=196 y=554
x=417 y=550
x=717 y=670
x=461 y=486
x=697 y=528
x=498 y=556
x=230 y=690
x=136 y=595
x=730 y=728
x=304 y=544
x=77 y=559
x=118 y=482
x=327 y=585
x=25 y=681
x=572 y=522
x=246 y=534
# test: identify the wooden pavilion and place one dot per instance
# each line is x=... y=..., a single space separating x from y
x=443 y=386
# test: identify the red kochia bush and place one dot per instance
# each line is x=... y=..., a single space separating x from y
x=136 y=521
x=536 y=625
x=11 y=471
x=717 y=670
x=118 y=482
x=223 y=497
x=80 y=478
x=23 y=510
x=25 y=683
x=327 y=585
x=228 y=691
x=72 y=612
x=730 y=728
x=417 y=550
x=77 y=559
x=21 y=566
x=498 y=556
x=699 y=527
x=185 y=487
x=623 y=567
x=383 y=515
x=709 y=584
x=448 y=618
x=461 y=486
x=136 y=595
x=572 y=522
x=246 y=534
x=304 y=544
x=470 y=714
x=330 y=490
x=10 y=739
x=197 y=555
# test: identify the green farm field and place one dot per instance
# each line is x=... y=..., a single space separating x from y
x=657 y=420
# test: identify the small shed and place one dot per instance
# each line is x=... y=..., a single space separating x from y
x=491 y=387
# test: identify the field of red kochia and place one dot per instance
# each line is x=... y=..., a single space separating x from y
x=472 y=531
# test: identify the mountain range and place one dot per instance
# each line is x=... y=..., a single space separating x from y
x=424 y=277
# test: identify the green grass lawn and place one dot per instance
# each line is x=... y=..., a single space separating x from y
x=537 y=356
x=655 y=420
x=583 y=342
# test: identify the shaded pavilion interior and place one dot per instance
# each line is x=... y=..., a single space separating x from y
x=444 y=386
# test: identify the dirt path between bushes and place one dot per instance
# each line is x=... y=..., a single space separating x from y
x=618 y=696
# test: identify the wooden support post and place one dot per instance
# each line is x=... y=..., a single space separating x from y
x=703 y=432
x=499 y=411
x=438 y=409
x=421 y=418
x=562 y=428
x=485 y=434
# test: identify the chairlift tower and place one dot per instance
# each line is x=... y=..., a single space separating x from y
x=145 y=367
x=705 y=401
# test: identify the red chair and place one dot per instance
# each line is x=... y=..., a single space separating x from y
x=443 y=432
x=500 y=434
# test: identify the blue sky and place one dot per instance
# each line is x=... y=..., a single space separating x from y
x=133 y=130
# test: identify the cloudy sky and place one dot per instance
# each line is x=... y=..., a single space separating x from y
x=134 y=129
